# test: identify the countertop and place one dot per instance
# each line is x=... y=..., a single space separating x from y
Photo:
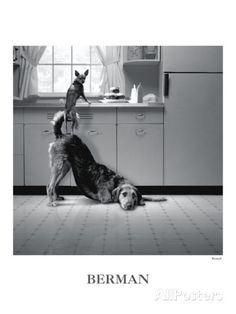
x=52 y=103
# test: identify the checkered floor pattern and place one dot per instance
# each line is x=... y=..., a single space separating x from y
x=184 y=225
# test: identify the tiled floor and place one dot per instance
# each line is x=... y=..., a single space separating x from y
x=188 y=224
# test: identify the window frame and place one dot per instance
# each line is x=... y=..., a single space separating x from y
x=71 y=64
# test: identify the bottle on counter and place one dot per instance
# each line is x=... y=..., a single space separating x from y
x=133 y=96
x=139 y=93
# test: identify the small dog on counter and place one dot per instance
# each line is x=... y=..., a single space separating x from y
x=74 y=92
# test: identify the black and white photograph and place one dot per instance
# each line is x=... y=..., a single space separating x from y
x=118 y=150
x=117 y=157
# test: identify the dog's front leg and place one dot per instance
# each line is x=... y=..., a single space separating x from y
x=85 y=98
x=104 y=196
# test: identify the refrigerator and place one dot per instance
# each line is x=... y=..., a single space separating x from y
x=193 y=115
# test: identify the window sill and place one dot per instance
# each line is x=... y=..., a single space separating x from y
x=52 y=99
x=63 y=95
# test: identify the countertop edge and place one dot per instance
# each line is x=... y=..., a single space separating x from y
x=50 y=104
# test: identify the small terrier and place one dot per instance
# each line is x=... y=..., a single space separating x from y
x=74 y=92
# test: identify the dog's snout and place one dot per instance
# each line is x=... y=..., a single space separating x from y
x=129 y=206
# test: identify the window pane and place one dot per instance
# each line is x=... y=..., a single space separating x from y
x=62 y=54
x=81 y=54
x=62 y=78
x=82 y=69
x=44 y=78
x=96 y=71
x=94 y=56
x=47 y=55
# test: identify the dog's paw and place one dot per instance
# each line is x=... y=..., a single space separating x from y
x=60 y=198
x=52 y=204
x=162 y=199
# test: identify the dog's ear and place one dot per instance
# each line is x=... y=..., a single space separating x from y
x=140 y=199
x=76 y=73
x=115 y=194
x=86 y=72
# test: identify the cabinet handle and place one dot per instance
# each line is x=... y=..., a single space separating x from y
x=166 y=85
x=93 y=132
x=140 y=116
x=140 y=132
x=46 y=132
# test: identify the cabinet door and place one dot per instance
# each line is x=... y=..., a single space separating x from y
x=101 y=140
x=193 y=130
x=193 y=58
x=37 y=139
x=18 y=170
x=18 y=139
x=140 y=153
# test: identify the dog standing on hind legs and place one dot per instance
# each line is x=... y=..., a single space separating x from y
x=75 y=90
x=96 y=181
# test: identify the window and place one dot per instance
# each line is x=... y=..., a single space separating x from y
x=58 y=64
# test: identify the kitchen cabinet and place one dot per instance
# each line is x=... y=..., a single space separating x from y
x=127 y=140
x=37 y=139
x=96 y=127
x=140 y=145
x=18 y=148
x=101 y=140
x=192 y=58
x=140 y=153
x=18 y=170
x=193 y=130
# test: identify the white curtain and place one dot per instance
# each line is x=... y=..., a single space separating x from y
x=112 y=73
x=30 y=57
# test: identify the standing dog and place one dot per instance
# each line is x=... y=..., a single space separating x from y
x=74 y=92
x=94 y=180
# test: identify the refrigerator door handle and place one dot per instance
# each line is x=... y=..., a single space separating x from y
x=166 y=84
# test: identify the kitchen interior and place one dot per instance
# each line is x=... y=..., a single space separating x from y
x=155 y=117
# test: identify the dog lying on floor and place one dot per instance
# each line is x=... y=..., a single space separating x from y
x=96 y=181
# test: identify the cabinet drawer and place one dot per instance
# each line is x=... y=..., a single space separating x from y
x=93 y=115
x=18 y=170
x=18 y=116
x=136 y=115
x=39 y=115
x=140 y=153
x=87 y=115
x=18 y=139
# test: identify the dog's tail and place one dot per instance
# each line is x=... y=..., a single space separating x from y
x=57 y=123
x=154 y=199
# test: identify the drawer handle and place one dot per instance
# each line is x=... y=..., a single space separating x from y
x=140 y=132
x=140 y=116
x=46 y=132
x=93 y=132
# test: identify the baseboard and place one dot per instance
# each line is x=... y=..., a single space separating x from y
x=175 y=189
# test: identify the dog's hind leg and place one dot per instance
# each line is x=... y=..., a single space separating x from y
x=51 y=191
x=65 y=169
x=58 y=171
x=74 y=117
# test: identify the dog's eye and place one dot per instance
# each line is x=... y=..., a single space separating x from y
x=124 y=194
